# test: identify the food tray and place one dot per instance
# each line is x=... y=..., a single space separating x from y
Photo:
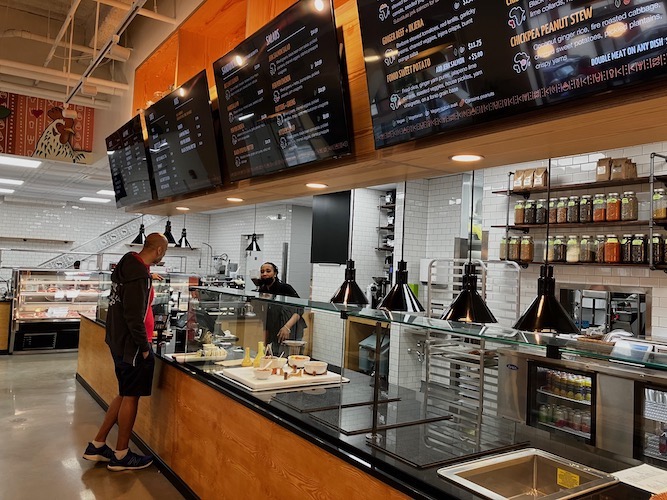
x=246 y=377
x=194 y=356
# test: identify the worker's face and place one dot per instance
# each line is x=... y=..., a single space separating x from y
x=266 y=272
x=160 y=253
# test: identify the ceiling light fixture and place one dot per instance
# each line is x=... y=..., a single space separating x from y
x=141 y=237
x=401 y=297
x=235 y=200
x=183 y=242
x=11 y=182
x=469 y=306
x=6 y=191
x=466 y=158
x=316 y=185
x=15 y=161
x=91 y=199
x=349 y=293
x=106 y=192
x=182 y=209
x=545 y=314
x=167 y=233
x=254 y=246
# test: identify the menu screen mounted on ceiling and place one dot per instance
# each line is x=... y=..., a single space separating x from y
x=182 y=140
x=435 y=65
x=280 y=94
x=130 y=170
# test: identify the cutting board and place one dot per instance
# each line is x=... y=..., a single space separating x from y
x=245 y=377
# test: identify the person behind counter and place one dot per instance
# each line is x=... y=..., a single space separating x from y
x=282 y=322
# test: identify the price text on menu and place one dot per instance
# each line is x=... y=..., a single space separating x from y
x=182 y=141
x=130 y=172
x=280 y=94
x=435 y=65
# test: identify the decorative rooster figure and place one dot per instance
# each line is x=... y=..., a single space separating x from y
x=55 y=142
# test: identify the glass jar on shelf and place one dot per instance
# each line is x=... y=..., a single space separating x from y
x=519 y=211
x=541 y=210
x=626 y=248
x=572 y=216
x=599 y=248
x=629 y=206
x=561 y=210
x=550 y=249
x=639 y=249
x=560 y=249
x=553 y=210
x=572 y=252
x=503 y=248
x=513 y=248
x=586 y=249
x=527 y=252
x=612 y=249
x=658 y=248
x=599 y=208
x=613 y=207
x=586 y=208
x=659 y=204
x=529 y=212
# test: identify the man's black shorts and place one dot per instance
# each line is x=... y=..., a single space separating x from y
x=135 y=380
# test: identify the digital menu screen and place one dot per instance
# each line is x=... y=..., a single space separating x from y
x=130 y=169
x=435 y=65
x=280 y=94
x=182 y=140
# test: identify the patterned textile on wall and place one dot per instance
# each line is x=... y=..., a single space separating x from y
x=35 y=127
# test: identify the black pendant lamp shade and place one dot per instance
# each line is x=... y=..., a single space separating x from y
x=254 y=246
x=167 y=233
x=183 y=242
x=469 y=306
x=546 y=314
x=400 y=297
x=141 y=237
x=349 y=293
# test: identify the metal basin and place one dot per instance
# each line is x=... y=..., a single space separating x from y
x=524 y=474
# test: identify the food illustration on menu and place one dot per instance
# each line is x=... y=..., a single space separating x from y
x=280 y=94
x=181 y=140
x=130 y=172
x=436 y=65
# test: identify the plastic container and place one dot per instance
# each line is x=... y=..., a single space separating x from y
x=527 y=249
x=529 y=212
x=659 y=204
x=639 y=249
x=519 y=211
x=599 y=248
x=503 y=248
x=573 y=250
x=629 y=206
x=586 y=208
x=560 y=249
x=658 y=249
x=613 y=207
x=561 y=210
x=553 y=214
x=626 y=248
x=541 y=211
x=550 y=249
x=572 y=210
x=514 y=248
x=586 y=249
x=599 y=208
x=612 y=249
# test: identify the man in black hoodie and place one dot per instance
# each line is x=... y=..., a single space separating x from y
x=129 y=331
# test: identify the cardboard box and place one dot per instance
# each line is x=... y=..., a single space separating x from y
x=528 y=178
x=540 y=178
x=623 y=168
x=603 y=171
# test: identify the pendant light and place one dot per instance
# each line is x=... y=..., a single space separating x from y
x=183 y=242
x=469 y=306
x=546 y=314
x=141 y=237
x=254 y=246
x=349 y=293
x=401 y=297
x=167 y=233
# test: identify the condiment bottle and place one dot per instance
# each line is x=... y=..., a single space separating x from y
x=260 y=354
x=246 y=359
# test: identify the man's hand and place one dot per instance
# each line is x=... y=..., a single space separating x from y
x=283 y=334
x=145 y=354
x=157 y=277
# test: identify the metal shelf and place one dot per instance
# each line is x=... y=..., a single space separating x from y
x=587 y=225
x=567 y=430
x=583 y=185
x=551 y=394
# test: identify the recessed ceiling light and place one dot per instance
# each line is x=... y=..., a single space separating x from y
x=316 y=185
x=6 y=191
x=15 y=161
x=235 y=200
x=183 y=209
x=106 y=192
x=94 y=200
x=466 y=158
x=12 y=182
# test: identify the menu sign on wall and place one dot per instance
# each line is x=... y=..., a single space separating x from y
x=280 y=94
x=130 y=172
x=182 y=141
x=435 y=65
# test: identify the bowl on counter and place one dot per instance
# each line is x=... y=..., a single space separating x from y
x=315 y=367
x=297 y=360
x=262 y=373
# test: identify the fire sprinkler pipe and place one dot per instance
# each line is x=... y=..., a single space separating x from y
x=53 y=95
x=61 y=33
x=142 y=12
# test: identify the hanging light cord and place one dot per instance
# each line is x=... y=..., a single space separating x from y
x=472 y=209
x=349 y=253
x=546 y=256
x=254 y=224
x=405 y=209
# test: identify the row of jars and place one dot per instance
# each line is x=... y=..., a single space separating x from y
x=564 y=416
x=609 y=249
x=575 y=209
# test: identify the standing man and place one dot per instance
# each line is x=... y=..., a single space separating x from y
x=129 y=331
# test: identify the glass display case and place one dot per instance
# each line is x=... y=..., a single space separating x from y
x=46 y=307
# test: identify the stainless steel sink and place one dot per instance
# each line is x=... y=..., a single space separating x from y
x=524 y=474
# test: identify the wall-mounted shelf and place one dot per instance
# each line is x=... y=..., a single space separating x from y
x=594 y=264
x=584 y=185
x=388 y=206
x=574 y=225
x=386 y=228
x=170 y=248
x=36 y=240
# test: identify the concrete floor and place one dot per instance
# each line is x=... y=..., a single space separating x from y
x=46 y=420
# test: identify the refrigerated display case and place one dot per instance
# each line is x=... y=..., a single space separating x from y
x=46 y=307
x=651 y=435
x=562 y=401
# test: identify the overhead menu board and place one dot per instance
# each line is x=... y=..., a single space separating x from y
x=280 y=94
x=182 y=140
x=436 y=65
x=130 y=170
